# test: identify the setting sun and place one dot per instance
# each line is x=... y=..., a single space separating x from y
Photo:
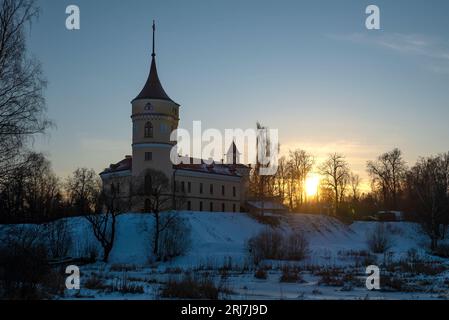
x=312 y=182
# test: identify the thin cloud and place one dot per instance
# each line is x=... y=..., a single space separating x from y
x=433 y=49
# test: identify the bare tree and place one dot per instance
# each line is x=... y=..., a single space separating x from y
x=83 y=188
x=22 y=105
x=335 y=172
x=291 y=185
x=104 y=223
x=59 y=238
x=301 y=164
x=33 y=192
x=281 y=178
x=428 y=186
x=153 y=189
x=387 y=176
x=354 y=182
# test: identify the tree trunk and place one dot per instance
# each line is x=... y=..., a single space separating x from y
x=108 y=247
x=106 y=252
x=156 y=234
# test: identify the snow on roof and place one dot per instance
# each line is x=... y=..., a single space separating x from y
x=214 y=167
x=125 y=164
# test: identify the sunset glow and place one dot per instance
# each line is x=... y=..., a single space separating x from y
x=312 y=183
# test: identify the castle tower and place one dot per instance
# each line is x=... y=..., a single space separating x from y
x=233 y=154
x=154 y=117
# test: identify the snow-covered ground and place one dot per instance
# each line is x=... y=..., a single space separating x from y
x=333 y=269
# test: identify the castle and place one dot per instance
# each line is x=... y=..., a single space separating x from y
x=219 y=186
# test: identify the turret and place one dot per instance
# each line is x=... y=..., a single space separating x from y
x=154 y=117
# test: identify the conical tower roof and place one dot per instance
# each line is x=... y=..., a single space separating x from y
x=153 y=88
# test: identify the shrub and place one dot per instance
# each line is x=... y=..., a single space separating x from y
x=442 y=251
x=265 y=245
x=296 y=247
x=124 y=285
x=174 y=239
x=261 y=274
x=290 y=275
x=421 y=267
x=393 y=284
x=86 y=248
x=24 y=271
x=379 y=240
x=330 y=277
x=189 y=287
x=58 y=238
x=95 y=283
x=271 y=244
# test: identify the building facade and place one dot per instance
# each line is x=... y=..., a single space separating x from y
x=219 y=186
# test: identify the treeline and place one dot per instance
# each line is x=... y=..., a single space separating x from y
x=421 y=191
x=32 y=193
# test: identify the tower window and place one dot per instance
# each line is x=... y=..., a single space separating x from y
x=211 y=207
x=223 y=190
x=233 y=207
x=189 y=187
x=223 y=207
x=148 y=156
x=201 y=188
x=148 y=132
x=211 y=189
x=234 y=193
x=189 y=205
x=201 y=205
x=183 y=186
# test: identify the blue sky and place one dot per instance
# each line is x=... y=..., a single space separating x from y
x=307 y=68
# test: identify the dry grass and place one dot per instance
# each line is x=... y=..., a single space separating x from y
x=290 y=275
x=261 y=274
x=190 y=287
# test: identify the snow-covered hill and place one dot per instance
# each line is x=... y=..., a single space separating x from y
x=334 y=268
x=217 y=236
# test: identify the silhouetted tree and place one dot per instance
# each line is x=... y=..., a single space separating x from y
x=335 y=173
x=300 y=164
x=22 y=105
x=153 y=191
x=428 y=187
x=354 y=182
x=83 y=188
x=104 y=223
x=33 y=192
x=387 y=176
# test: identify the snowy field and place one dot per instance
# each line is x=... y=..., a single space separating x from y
x=333 y=269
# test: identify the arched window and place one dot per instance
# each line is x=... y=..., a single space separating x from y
x=148 y=130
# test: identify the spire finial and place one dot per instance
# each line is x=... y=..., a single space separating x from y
x=154 y=30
